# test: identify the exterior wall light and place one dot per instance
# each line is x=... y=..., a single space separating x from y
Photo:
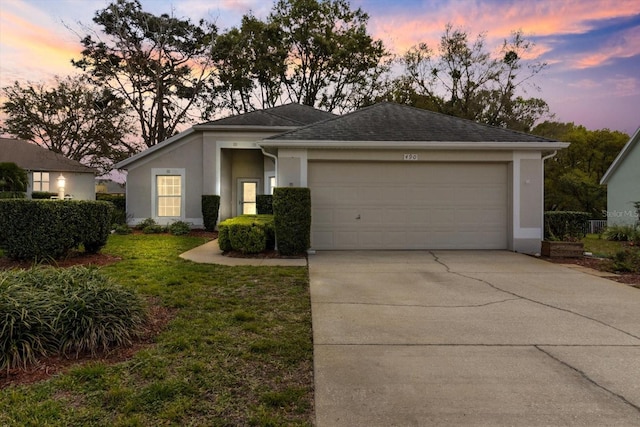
x=61 y=184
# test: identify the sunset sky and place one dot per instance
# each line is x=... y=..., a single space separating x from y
x=592 y=46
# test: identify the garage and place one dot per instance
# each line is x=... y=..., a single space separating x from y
x=408 y=205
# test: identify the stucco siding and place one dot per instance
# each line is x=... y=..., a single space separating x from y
x=530 y=193
x=80 y=186
x=623 y=189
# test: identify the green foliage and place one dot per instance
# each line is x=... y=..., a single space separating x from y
x=248 y=234
x=292 y=212
x=122 y=229
x=159 y=64
x=179 y=228
x=72 y=117
x=145 y=223
x=623 y=233
x=119 y=213
x=12 y=195
x=153 y=229
x=43 y=195
x=304 y=53
x=572 y=177
x=562 y=225
x=43 y=229
x=210 y=209
x=627 y=260
x=13 y=178
x=264 y=204
x=48 y=311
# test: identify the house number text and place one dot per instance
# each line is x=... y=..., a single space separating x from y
x=410 y=157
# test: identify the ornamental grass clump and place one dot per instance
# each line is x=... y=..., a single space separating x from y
x=47 y=311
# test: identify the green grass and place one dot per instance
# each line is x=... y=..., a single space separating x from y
x=601 y=247
x=238 y=351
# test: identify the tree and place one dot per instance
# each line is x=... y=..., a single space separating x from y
x=313 y=52
x=463 y=79
x=572 y=177
x=13 y=179
x=159 y=64
x=71 y=117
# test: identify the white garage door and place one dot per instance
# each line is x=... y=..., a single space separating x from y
x=382 y=205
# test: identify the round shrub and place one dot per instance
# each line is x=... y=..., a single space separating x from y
x=179 y=228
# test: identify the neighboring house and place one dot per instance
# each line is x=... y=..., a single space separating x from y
x=384 y=177
x=109 y=186
x=623 y=184
x=44 y=167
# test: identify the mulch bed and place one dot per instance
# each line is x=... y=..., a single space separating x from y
x=599 y=264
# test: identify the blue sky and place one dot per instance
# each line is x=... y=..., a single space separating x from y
x=592 y=46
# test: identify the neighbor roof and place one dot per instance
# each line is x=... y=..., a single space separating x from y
x=288 y=115
x=633 y=141
x=390 y=122
x=33 y=157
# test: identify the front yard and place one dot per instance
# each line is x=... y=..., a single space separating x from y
x=236 y=349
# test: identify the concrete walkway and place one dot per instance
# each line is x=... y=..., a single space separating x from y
x=451 y=338
x=210 y=253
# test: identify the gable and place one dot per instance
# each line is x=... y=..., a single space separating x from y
x=633 y=145
x=33 y=157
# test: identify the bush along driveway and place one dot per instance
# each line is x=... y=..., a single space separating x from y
x=238 y=350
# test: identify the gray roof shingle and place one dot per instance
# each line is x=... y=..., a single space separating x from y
x=36 y=158
x=288 y=115
x=388 y=121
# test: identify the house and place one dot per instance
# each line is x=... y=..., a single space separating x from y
x=44 y=168
x=109 y=186
x=623 y=184
x=386 y=176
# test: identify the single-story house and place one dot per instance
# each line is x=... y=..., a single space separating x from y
x=623 y=184
x=386 y=176
x=109 y=186
x=44 y=168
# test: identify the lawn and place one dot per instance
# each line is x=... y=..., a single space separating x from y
x=601 y=247
x=238 y=350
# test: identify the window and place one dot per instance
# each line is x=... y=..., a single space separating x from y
x=272 y=184
x=169 y=194
x=41 y=181
x=248 y=190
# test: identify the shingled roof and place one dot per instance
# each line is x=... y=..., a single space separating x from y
x=33 y=157
x=288 y=115
x=388 y=121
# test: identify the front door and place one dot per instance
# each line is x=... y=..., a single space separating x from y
x=247 y=192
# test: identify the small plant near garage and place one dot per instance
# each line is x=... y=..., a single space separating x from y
x=563 y=231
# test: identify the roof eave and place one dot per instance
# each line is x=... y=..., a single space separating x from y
x=620 y=157
x=244 y=128
x=429 y=145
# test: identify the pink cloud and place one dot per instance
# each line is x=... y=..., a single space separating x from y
x=624 y=47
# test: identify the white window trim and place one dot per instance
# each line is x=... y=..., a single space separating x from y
x=155 y=172
x=239 y=192
x=33 y=180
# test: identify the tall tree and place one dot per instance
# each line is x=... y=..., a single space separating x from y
x=572 y=177
x=71 y=117
x=464 y=79
x=159 y=64
x=313 y=52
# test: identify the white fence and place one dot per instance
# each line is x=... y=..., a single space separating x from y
x=596 y=226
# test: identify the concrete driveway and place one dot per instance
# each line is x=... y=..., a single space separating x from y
x=471 y=338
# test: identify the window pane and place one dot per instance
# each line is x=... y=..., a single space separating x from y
x=249 y=191
x=169 y=191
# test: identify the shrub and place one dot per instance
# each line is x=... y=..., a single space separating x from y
x=49 y=310
x=145 y=223
x=13 y=178
x=292 y=212
x=210 y=210
x=119 y=213
x=12 y=195
x=41 y=229
x=153 y=229
x=122 y=229
x=43 y=195
x=179 y=228
x=264 y=204
x=627 y=260
x=247 y=233
x=622 y=233
x=565 y=225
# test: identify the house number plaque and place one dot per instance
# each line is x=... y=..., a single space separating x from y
x=410 y=157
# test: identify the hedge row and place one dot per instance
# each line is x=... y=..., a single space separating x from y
x=42 y=229
x=292 y=212
x=264 y=204
x=565 y=225
x=119 y=214
x=249 y=234
x=49 y=311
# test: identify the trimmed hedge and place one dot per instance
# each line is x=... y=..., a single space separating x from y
x=43 y=195
x=264 y=204
x=565 y=225
x=119 y=214
x=292 y=212
x=249 y=234
x=210 y=209
x=41 y=229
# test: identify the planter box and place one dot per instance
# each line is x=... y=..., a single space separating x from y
x=562 y=249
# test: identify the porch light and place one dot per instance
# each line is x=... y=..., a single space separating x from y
x=61 y=184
